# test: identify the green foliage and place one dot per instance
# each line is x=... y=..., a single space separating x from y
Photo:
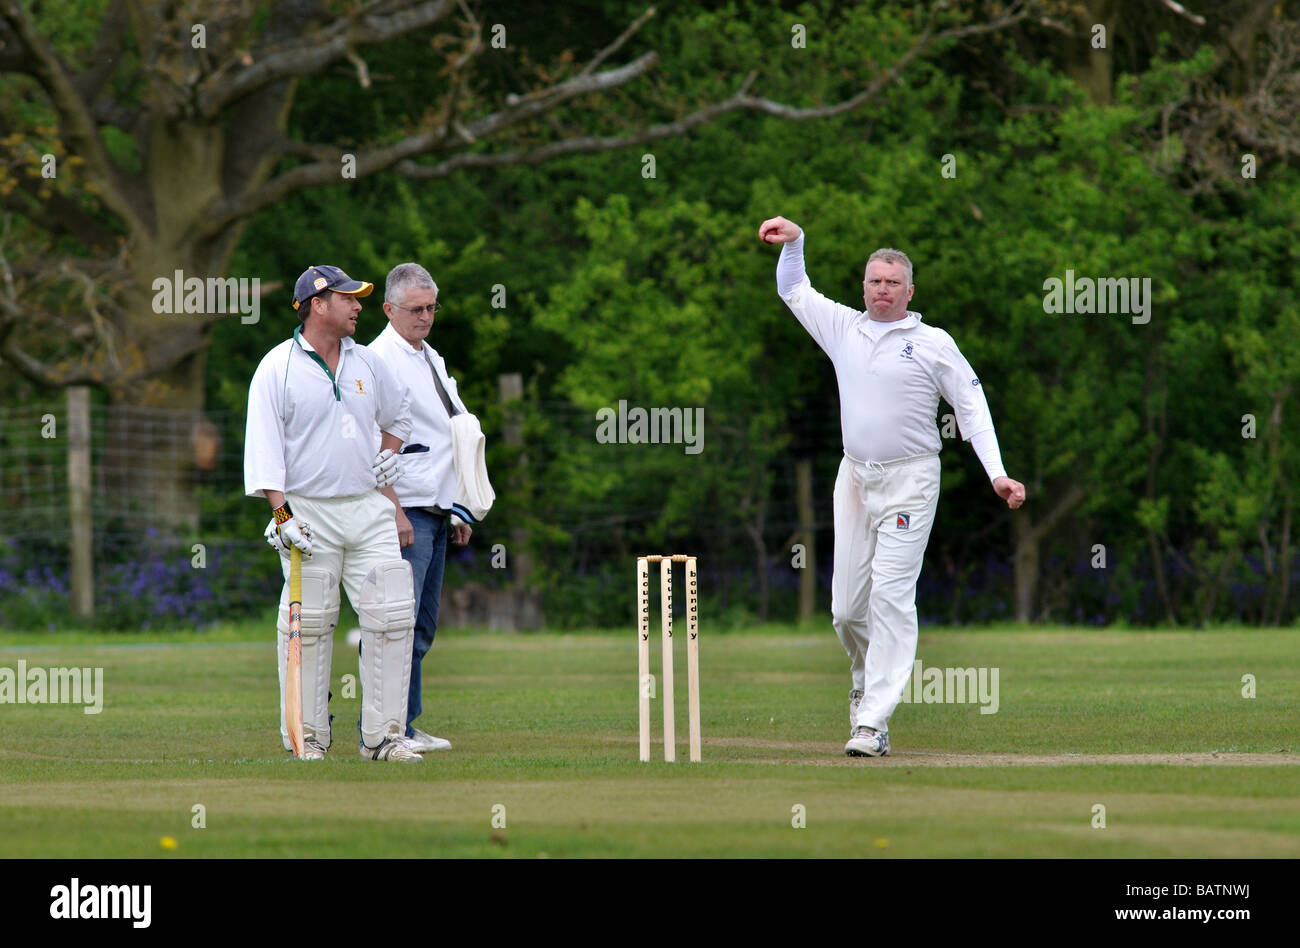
x=655 y=291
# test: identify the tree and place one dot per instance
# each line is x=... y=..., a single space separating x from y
x=178 y=129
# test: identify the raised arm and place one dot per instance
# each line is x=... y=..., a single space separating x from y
x=825 y=320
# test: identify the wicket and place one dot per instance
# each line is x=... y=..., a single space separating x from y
x=692 y=652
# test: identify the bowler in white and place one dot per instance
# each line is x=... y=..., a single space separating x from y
x=891 y=369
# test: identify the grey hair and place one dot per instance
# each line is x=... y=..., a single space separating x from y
x=405 y=277
x=890 y=255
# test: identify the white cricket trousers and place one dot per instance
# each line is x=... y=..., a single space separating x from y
x=351 y=537
x=883 y=515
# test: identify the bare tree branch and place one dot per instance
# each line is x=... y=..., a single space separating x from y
x=74 y=114
x=523 y=108
x=59 y=215
x=103 y=58
x=575 y=146
x=309 y=55
x=615 y=46
x=13 y=56
x=458 y=69
x=1184 y=12
x=379 y=159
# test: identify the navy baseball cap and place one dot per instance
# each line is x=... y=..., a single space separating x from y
x=319 y=279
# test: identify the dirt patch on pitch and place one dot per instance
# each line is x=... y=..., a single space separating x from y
x=834 y=756
x=831 y=754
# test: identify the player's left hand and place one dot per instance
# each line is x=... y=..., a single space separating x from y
x=1013 y=492
x=460 y=533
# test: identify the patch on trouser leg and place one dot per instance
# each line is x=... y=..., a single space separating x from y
x=386 y=611
x=320 y=614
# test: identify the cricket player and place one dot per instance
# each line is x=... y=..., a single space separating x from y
x=891 y=370
x=311 y=406
x=428 y=514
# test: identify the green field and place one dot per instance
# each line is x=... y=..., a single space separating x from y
x=1152 y=726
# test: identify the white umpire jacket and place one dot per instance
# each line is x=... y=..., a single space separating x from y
x=439 y=445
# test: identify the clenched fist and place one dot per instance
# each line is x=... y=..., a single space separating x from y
x=778 y=230
x=1012 y=491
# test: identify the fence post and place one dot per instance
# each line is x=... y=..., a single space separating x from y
x=80 y=516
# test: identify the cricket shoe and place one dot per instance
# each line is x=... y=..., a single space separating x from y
x=868 y=742
x=422 y=743
x=855 y=702
x=393 y=748
x=313 y=750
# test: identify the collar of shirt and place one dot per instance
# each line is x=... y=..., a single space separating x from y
x=347 y=342
x=910 y=321
x=397 y=340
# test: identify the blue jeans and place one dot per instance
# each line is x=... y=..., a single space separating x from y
x=428 y=558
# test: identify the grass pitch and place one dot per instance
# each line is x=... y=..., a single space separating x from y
x=1152 y=726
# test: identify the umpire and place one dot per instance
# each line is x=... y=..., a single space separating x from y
x=428 y=515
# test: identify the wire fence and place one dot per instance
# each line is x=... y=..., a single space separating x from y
x=173 y=537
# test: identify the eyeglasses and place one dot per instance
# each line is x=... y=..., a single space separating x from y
x=431 y=309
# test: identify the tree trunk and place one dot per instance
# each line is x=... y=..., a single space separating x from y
x=1026 y=568
x=1087 y=65
x=808 y=530
x=1028 y=537
x=1156 y=432
x=755 y=530
x=156 y=381
x=147 y=459
x=1284 y=563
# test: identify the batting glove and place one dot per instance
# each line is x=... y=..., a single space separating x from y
x=387 y=468
x=291 y=532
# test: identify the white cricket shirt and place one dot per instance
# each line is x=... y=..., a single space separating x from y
x=889 y=385
x=428 y=477
x=309 y=430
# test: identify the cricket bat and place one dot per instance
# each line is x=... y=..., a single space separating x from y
x=293 y=664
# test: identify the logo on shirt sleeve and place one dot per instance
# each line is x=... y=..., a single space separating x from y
x=903 y=521
x=975 y=383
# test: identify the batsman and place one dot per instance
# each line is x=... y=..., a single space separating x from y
x=311 y=406
x=891 y=369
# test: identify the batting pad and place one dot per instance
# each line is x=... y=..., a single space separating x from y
x=320 y=614
x=386 y=611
